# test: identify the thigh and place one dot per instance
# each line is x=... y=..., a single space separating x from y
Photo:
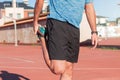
x=57 y=40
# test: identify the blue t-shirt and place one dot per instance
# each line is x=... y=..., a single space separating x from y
x=67 y=10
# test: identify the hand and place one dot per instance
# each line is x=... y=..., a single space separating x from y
x=94 y=38
x=35 y=28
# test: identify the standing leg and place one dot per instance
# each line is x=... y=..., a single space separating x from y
x=68 y=73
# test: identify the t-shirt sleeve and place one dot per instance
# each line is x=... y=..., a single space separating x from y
x=88 y=1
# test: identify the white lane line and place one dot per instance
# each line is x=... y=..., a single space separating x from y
x=21 y=59
x=18 y=59
x=42 y=68
x=11 y=62
x=97 y=69
x=15 y=67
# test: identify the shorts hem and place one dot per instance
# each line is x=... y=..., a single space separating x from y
x=66 y=60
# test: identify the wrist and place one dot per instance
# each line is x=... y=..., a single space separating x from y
x=94 y=32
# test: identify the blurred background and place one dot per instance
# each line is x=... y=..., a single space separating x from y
x=16 y=20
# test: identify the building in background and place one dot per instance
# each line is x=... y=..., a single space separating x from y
x=111 y=23
x=101 y=20
x=118 y=21
x=16 y=10
x=45 y=7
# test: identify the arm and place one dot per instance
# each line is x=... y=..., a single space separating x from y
x=91 y=17
x=37 y=10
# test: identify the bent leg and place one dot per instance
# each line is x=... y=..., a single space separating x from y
x=56 y=66
x=59 y=67
x=45 y=52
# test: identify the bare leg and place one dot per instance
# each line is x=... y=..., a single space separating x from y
x=45 y=52
x=68 y=74
x=59 y=67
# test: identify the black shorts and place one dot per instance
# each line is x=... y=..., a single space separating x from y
x=62 y=40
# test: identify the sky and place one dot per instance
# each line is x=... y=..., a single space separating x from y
x=107 y=8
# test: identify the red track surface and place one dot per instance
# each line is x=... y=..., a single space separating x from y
x=28 y=61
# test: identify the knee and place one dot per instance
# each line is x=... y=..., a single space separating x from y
x=58 y=70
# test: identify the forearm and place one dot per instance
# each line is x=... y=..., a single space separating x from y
x=91 y=16
x=37 y=10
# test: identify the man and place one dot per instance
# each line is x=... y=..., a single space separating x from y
x=63 y=33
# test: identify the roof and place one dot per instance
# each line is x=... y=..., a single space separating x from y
x=101 y=17
x=18 y=4
x=25 y=20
